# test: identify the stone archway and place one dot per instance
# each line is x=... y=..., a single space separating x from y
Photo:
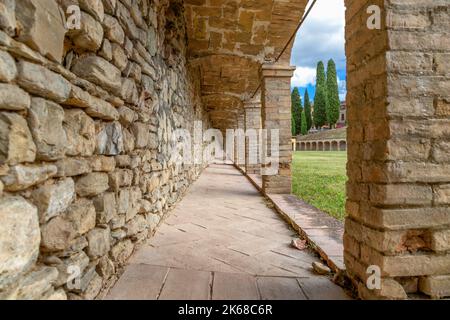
x=334 y=146
x=327 y=146
x=320 y=146
x=343 y=145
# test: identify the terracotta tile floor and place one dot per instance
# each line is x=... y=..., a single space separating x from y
x=222 y=242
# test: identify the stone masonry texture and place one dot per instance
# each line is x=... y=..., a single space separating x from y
x=85 y=121
x=87 y=113
x=398 y=169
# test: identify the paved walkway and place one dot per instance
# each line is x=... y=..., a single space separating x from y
x=222 y=242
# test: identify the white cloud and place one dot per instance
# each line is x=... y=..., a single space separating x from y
x=304 y=76
x=342 y=86
x=322 y=36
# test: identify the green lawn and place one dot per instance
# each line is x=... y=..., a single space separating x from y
x=319 y=179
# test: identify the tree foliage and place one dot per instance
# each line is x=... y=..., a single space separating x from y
x=333 y=103
x=307 y=111
x=320 y=99
x=304 y=127
x=320 y=107
x=296 y=109
x=320 y=74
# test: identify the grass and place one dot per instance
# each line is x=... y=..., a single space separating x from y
x=319 y=179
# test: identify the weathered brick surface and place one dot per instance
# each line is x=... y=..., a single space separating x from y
x=398 y=92
x=276 y=115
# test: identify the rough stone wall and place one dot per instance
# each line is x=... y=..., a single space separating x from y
x=398 y=143
x=86 y=117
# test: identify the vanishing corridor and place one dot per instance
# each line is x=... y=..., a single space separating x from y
x=222 y=242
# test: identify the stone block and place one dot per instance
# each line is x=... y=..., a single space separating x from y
x=141 y=133
x=94 y=7
x=79 y=259
x=90 y=36
x=105 y=267
x=102 y=110
x=92 y=184
x=435 y=286
x=105 y=206
x=78 y=98
x=442 y=194
x=98 y=71
x=46 y=124
x=52 y=200
x=110 y=140
x=13 y=98
x=41 y=26
x=35 y=284
x=20 y=237
x=71 y=167
x=440 y=240
x=80 y=130
x=390 y=290
x=401 y=194
x=122 y=251
x=99 y=242
x=119 y=57
x=7 y=16
x=8 y=69
x=82 y=216
x=22 y=177
x=113 y=30
x=103 y=164
x=16 y=143
x=42 y=82
x=57 y=234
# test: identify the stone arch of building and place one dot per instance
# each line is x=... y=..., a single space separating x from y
x=223 y=109
x=334 y=146
x=320 y=145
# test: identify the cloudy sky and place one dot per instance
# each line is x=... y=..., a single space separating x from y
x=320 y=38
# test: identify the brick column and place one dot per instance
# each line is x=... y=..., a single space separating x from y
x=252 y=129
x=276 y=114
x=398 y=146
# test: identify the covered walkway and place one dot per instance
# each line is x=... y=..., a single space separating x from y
x=223 y=242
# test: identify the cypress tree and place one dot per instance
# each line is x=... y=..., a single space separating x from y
x=296 y=109
x=293 y=126
x=307 y=111
x=333 y=104
x=320 y=107
x=320 y=74
x=304 y=124
x=320 y=99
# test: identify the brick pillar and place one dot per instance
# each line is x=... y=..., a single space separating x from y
x=398 y=146
x=276 y=114
x=252 y=129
